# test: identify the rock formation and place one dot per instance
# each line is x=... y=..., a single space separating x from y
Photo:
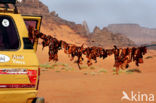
x=135 y=32
x=85 y=25
x=59 y=26
x=105 y=38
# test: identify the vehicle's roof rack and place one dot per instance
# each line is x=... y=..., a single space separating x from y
x=6 y=6
x=7 y=1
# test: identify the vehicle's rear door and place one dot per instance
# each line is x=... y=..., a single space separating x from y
x=35 y=22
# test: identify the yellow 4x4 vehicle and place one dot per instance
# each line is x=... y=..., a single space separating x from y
x=19 y=67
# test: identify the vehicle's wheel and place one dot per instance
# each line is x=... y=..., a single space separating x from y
x=39 y=100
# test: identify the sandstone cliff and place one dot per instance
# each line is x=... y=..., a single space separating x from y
x=135 y=32
x=70 y=31
x=105 y=38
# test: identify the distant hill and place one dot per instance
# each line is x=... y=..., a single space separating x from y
x=135 y=32
x=70 y=31
x=105 y=38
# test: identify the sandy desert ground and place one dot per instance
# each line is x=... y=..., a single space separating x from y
x=63 y=83
x=92 y=85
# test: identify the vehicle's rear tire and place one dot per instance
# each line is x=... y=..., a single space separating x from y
x=39 y=100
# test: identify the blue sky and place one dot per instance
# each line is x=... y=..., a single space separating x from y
x=104 y=12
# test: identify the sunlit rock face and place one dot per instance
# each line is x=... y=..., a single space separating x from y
x=52 y=21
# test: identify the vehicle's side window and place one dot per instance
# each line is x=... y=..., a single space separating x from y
x=9 y=39
x=32 y=23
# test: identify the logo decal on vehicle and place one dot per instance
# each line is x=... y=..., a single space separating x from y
x=4 y=58
x=18 y=59
x=5 y=23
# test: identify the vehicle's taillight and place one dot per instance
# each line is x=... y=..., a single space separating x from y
x=32 y=76
x=38 y=78
x=39 y=71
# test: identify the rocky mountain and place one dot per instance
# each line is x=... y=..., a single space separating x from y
x=35 y=7
x=66 y=29
x=105 y=38
x=135 y=32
